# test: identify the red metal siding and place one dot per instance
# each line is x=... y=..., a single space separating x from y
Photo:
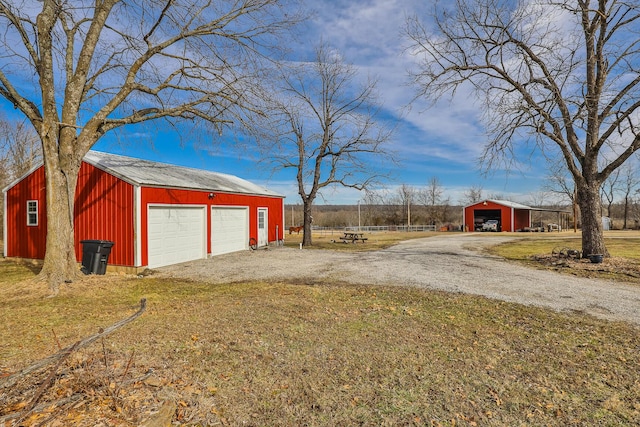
x=104 y=210
x=201 y=198
x=522 y=219
x=506 y=221
x=468 y=218
x=21 y=240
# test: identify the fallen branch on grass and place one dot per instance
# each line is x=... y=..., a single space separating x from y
x=46 y=384
x=60 y=402
x=73 y=399
x=14 y=378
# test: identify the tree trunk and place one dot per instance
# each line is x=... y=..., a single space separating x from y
x=592 y=233
x=626 y=212
x=307 y=221
x=60 y=263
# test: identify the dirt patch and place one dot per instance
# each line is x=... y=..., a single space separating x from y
x=613 y=268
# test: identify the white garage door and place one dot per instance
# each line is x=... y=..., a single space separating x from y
x=176 y=234
x=229 y=229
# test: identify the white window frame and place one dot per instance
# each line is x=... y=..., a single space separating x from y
x=32 y=209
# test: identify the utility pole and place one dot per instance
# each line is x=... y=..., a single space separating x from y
x=408 y=213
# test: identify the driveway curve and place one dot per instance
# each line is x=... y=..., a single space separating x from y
x=450 y=263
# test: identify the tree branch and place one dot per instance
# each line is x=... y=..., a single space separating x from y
x=13 y=378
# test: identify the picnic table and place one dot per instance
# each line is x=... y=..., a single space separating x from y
x=353 y=237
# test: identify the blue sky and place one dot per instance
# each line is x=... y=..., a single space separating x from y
x=444 y=141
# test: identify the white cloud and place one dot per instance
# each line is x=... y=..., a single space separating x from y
x=369 y=32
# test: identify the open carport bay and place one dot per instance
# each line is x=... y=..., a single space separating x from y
x=482 y=216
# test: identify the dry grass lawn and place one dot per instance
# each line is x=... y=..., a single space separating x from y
x=539 y=250
x=293 y=354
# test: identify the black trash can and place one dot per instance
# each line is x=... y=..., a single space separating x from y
x=95 y=255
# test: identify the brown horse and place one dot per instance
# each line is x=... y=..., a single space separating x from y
x=296 y=229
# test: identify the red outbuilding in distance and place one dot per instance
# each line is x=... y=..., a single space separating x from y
x=511 y=216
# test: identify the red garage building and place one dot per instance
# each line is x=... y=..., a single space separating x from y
x=510 y=216
x=156 y=214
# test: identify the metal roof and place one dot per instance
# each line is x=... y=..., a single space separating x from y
x=510 y=204
x=506 y=203
x=147 y=173
x=515 y=205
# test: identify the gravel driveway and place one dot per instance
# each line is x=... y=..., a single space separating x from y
x=446 y=262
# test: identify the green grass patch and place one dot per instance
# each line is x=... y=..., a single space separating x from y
x=296 y=354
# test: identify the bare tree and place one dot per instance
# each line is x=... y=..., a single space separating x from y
x=472 y=195
x=5 y=158
x=432 y=197
x=20 y=149
x=558 y=182
x=630 y=182
x=634 y=208
x=609 y=189
x=99 y=66
x=563 y=73
x=537 y=199
x=381 y=207
x=406 y=196
x=370 y=205
x=324 y=127
x=5 y=175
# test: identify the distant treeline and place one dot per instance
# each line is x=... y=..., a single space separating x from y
x=439 y=216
